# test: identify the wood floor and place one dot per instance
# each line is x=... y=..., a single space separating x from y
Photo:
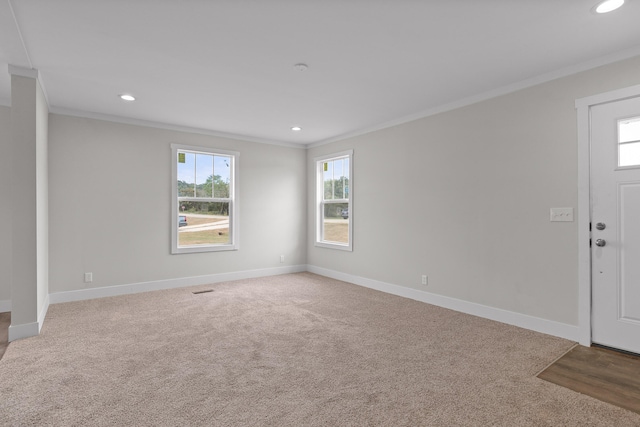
x=604 y=374
x=5 y=321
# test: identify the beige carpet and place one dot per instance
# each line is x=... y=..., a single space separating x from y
x=293 y=350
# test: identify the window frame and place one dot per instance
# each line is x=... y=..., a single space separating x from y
x=320 y=202
x=232 y=200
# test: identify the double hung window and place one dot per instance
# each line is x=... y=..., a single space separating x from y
x=204 y=206
x=334 y=195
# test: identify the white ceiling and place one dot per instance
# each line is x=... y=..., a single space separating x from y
x=227 y=66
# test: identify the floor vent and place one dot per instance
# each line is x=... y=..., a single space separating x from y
x=203 y=292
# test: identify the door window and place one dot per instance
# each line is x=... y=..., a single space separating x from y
x=629 y=142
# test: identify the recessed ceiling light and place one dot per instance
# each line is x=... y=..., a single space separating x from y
x=608 y=6
x=301 y=67
x=296 y=128
x=127 y=97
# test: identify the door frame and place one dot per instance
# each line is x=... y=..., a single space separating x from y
x=583 y=106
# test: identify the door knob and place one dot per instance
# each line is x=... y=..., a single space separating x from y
x=601 y=242
x=601 y=226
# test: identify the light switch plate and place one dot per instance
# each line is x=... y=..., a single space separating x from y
x=561 y=214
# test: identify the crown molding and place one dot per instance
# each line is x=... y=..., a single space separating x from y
x=168 y=126
x=504 y=90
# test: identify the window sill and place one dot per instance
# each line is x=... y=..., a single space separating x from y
x=199 y=249
x=339 y=246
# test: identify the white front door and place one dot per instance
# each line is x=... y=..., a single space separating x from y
x=615 y=226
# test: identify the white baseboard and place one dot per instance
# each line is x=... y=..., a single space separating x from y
x=110 y=291
x=25 y=330
x=537 y=324
x=5 y=305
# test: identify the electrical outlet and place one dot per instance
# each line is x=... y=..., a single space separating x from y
x=88 y=277
x=281 y=258
x=425 y=279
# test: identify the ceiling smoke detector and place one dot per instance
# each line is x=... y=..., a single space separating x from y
x=301 y=67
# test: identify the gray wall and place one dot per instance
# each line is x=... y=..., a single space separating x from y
x=5 y=206
x=464 y=197
x=110 y=201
